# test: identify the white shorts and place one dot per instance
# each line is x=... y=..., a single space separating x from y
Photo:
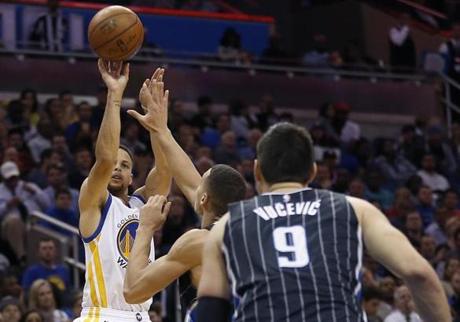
x=97 y=314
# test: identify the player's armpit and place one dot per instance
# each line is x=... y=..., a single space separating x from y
x=185 y=254
x=93 y=195
x=214 y=280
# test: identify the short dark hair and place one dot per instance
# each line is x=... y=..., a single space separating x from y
x=371 y=293
x=128 y=150
x=62 y=191
x=224 y=185
x=46 y=240
x=285 y=153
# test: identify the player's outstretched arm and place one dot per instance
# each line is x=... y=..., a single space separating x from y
x=143 y=281
x=214 y=291
x=93 y=193
x=156 y=122
x=391 y=248
x=159 y=178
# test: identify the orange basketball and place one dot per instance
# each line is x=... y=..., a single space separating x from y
x=115 y=33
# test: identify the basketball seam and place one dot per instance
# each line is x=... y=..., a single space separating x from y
x=129 y=51
x=116 y=36
x=103 y=21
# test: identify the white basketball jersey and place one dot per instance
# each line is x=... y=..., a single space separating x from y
x=107 y=252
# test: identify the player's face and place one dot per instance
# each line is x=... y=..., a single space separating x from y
x=122 y=174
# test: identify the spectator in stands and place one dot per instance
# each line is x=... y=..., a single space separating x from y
x=425 y=205
x=323 y=179
x=23 y=112
x=10 y=309
x=203 y=118
x=55 y=113
x=450 y=202
x=32 y=316
x=393 y=165
x=413 y=228
x=452 y=265
x=16 y=140
x=227 y=152
x=428 y=249
x=41 y=139
x=80 y=131
x=386 y=287
x=411 y=144
x=47 y=268
x=441 y=150
x=248 y=151
x=404 y=310
x=177 y=222
x=230 y=48
x=76 y=307
x=17 y=199
x=68 y=106
x=436 y=181
x=375 y=192
x=130 y=137
x=267 y=115
x=50 y=31
x=59 y=145
x=98 y=109
x=274 y=53
x=38 y=175
x=371 y=303
x=356 y=188
x=63 y=210
x=402 y=47
x=41 y=298
x=318 y=55
x=437 y=229
x=344 y=129
x=57 y=180
x=9 y=285
x=240 y=118
x=83 y=163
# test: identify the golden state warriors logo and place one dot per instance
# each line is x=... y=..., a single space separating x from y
x=125 y=238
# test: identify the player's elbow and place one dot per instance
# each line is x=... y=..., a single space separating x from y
x=131 y=296
x=420 y=272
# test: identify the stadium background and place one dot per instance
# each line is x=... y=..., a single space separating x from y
x=381 y=105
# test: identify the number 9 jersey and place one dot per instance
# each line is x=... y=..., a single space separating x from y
x=294 y=257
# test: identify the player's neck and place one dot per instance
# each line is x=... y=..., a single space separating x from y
x=285 y=187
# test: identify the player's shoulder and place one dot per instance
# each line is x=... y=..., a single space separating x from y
x=192 y=239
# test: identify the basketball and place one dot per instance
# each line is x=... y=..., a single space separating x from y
x=115 y=33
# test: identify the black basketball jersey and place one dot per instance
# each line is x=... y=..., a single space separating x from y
x=294 y=257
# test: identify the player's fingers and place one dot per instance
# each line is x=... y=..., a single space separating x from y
x=155 y=74
x=160 y=77
x=100 y=66
x=166 y=100
x=139 y=117
x=166 y=208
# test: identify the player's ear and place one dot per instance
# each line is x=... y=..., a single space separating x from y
x=257 y=172
x=130 y=178
x=314 y=170
x=204 y=199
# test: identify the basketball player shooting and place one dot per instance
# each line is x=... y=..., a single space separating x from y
x=295 y=253
x=210 y=196
x=109 y=217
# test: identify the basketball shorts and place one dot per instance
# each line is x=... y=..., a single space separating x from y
x=96 y=314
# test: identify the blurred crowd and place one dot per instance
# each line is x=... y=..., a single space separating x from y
x=47 y=151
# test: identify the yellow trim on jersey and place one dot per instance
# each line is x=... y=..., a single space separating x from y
x=88 y=317
x=99 y=273
x=98 y=311
x=92 y=286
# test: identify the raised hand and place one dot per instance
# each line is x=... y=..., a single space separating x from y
x=153 y=214
x=154 y=100
x=114 y=74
